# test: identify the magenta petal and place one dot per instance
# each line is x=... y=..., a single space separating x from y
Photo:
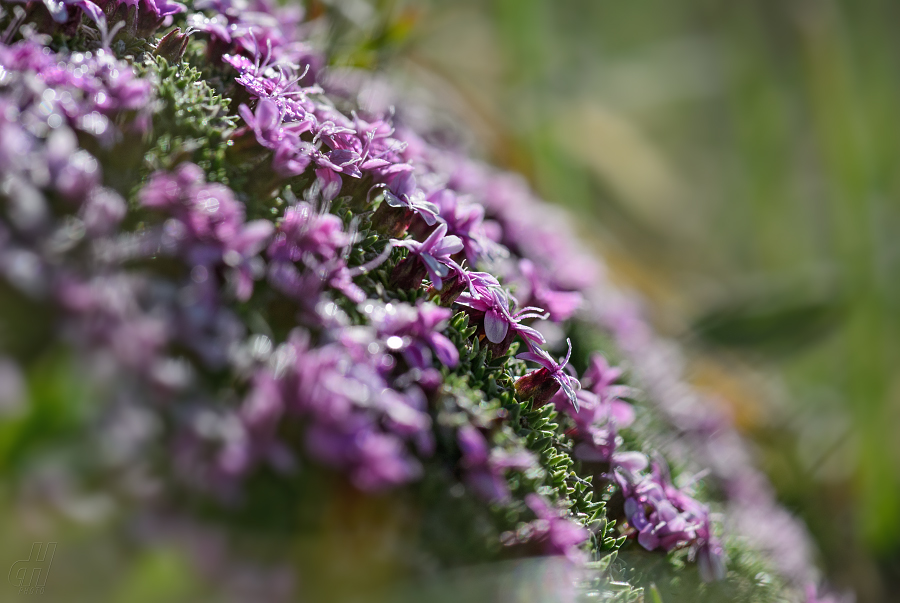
x=648 y=539
x=449 y=246
x=494 y=326
x=243 y=286
x=437 y=234
x=445 y=350
x=94 y=11
x=427 y=214
x=330 y=183
x=632 y=461
x=253 y=237
x=535 y=358
x=267 y=115
x=247 y=114
x=621 y=412
x=472 y=445
x=371 y=164
x=436 y=271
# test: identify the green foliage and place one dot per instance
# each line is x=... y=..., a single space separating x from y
x=58 y=404
x=192 y=121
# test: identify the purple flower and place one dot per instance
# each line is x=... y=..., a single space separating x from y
x=102 y=211
x=292 y=156
x=329 y=183
x=376 y=461
x=355 y=421
x=547 y=380
x=84 y=91
x=484 y=469
x=242 y=254
x=478 y=284
x=402 y=203
x=600 y=396
x=431 y=256
x=664 y=517
x=265 y=122
x=208 y=226
x=414 y=331
x=74 y=172
x=820 y=595
x=209 y=211
x=501 y=325
x=304 y=232
x=260 y=415
x=402 y=193
x=316 y=243
x=560 y=305
x=559 y=535
x=465 y=220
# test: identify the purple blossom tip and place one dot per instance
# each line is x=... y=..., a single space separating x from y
x=537 y=381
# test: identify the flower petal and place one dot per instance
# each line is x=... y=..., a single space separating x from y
x=495 y=328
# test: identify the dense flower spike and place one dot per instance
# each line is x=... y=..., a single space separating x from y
x=278 y=349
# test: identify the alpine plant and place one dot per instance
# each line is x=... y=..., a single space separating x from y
x=281 y=299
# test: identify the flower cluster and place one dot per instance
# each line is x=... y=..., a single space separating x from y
x=56 y=205
x=365 y=322
x=207 y=227
x=599 y=413
x=302 y=129
x=667 y=518
x=357 y=418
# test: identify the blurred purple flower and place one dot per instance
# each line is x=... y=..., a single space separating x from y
x=559 y=535
x=484 y=469
x=413 y=331
x=667 y=518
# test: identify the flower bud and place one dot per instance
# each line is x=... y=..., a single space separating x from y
x=453 y=288
x=539 y=385
x=408 y=274
x=172 y=45
x=392 y=221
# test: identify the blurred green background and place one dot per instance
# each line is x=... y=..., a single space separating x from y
x=736 y=162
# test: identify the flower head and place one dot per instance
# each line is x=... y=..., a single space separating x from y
x=501 y=324
x=534 y=288
x=414 y=331
x=667 y=518
x=402 y=193
x=432 y=256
